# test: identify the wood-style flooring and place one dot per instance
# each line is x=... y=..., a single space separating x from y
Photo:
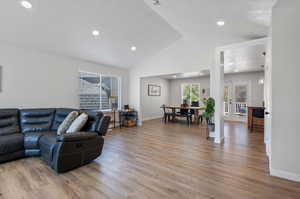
x=168 y=161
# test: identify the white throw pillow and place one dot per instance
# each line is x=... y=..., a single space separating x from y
x=78 y=123
x=65 y=125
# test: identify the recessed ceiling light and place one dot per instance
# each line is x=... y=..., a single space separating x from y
x=220 y=23
x=26 y=4
x=133 y=48
x=96 y=33
x=156 y=2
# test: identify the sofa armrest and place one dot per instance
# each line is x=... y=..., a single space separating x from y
x=79 y=136
x=103 y=125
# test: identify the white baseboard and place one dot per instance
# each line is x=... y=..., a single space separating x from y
x=152 y=118
x=285 y=174
x=212 y=134
x=219 y=140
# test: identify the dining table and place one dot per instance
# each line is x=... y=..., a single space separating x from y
x=197 y=110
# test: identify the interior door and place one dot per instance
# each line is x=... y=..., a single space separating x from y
x=268 y=97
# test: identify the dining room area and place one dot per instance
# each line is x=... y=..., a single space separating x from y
x=182 y=99
x=185 y=99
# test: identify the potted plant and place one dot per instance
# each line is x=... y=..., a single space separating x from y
x=209 y=113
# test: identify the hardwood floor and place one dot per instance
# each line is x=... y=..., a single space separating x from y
x=157 y=161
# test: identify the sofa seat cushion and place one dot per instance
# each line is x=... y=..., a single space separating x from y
x=47 y=145
x=11 y=143
x=31 y=140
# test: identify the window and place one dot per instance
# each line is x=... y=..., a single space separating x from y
x=99 y=91
x=190 y=93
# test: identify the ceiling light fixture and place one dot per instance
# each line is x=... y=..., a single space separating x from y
x=26 y=4
x=96 y=33
x=261 y=81
x=156 y=2
x=133 y=48
x=220 y=23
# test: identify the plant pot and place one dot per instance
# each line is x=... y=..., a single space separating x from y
x=211 y=127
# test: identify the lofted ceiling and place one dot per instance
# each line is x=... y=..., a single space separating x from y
x=244 y=19
x=65 y=26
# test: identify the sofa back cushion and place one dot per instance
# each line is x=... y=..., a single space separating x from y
x=9 y=121
x=65 y=125
x=78 y=123
x=93 y=122
x=35 y=120
x=60 y=115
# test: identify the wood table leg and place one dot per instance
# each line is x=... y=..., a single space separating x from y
x=173 y=114
x=197 y=116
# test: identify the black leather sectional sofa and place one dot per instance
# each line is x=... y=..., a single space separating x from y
x=32 y=132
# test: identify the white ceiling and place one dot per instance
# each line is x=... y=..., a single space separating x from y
x=245 y=59
x=65 y=26
x=236 y=60
x=244 y=19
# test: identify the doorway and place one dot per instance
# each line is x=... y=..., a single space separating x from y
x=240 y=83
x=236 y=101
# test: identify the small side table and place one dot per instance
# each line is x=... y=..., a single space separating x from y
x=126 y=116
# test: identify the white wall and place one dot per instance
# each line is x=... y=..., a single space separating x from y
x=185 y=55
x=150 y=105
x=256 y=90
x=285 y=135
x=38 y=79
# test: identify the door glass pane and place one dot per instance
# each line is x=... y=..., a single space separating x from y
x=241 y=99
x=89 y=90
x=226 y=99
x=241 y=93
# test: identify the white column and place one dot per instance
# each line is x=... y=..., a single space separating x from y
x=217 y=92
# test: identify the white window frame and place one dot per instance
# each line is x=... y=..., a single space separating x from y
x=119 y=78
x=182 y=93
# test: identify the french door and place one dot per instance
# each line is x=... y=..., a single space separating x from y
x=236 y=97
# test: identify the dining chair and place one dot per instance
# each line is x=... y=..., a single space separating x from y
x=185 y=113
x=192 y=111
x=200 y=117
x=167 y=115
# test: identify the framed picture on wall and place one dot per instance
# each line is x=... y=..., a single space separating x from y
x=154 y=90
